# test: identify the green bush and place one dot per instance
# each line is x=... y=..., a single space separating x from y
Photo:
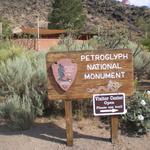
x=141 y=60
x=66 y=13
x=70 y=44
x=137 y=118
x=144 y=24
x=22 y=89
x=146 y=43
x=106 y=39
x=18 y=112
x=6 y=28
x=9 y=50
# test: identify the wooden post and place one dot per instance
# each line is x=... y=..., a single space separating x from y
x=114 y=129
x=69 y=126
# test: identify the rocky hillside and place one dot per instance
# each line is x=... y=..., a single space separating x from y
x=25 y=12
x=112 y=10
x=99 y=12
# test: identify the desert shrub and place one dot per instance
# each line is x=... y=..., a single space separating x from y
x=141 y=60
x=146 y=43
x=9 y=50
x=113 y=37
x=82 y=109
x=110 y=38
x=70 y=44
x=18 y=111
x=22 y=89
x=6 y=28
x=144 y=24
x=137 y=119
x=106 y=39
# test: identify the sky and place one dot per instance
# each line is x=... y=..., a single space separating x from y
x=139 y=2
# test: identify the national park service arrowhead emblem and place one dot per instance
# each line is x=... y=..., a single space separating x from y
x=64 y=72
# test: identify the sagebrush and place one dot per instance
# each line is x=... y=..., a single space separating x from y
x=22 y=89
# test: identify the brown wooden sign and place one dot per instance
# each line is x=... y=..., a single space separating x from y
x=79 y=75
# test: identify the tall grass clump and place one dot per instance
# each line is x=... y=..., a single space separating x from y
x=69 y=43
x=22 y=89
x=6 y=28
x=141 y=60
x=9 y=50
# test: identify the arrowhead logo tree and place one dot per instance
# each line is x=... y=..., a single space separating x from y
x=64 y=72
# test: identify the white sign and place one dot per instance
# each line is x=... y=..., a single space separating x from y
x=109 y=104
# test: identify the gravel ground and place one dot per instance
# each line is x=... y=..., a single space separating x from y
x=49 y=134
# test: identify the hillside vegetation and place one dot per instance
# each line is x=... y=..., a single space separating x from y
x=98 y=13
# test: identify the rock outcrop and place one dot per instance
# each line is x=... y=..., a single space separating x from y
x=98 y=12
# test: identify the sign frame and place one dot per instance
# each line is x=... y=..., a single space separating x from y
x=85 y=88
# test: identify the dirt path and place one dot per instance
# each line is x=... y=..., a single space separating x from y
x=50 y=135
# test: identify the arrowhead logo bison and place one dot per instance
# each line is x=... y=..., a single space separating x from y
x=64 y=72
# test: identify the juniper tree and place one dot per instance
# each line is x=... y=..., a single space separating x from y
x=67 y=13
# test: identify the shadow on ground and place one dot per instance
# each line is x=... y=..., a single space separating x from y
x=48 y=131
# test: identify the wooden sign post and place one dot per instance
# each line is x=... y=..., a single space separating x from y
x=69 y=126
x=114 y=129
x=79 y=75
x=110 y=104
